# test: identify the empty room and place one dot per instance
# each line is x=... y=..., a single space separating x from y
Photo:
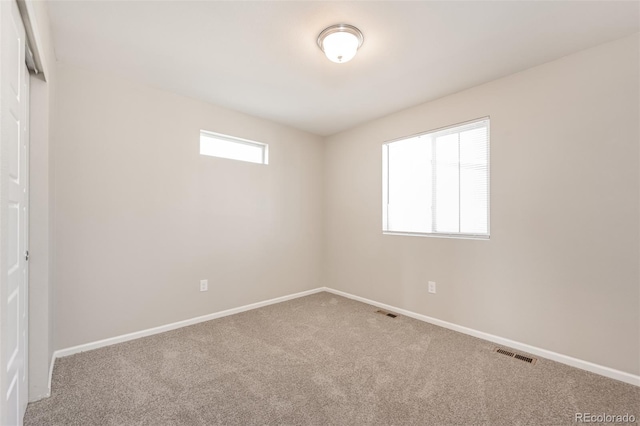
x=319 y=212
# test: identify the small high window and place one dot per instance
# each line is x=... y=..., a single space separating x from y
x=437 y=183
x=223 y=146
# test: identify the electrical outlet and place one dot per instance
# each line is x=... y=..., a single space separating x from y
x=204 y=285
x=432 y=287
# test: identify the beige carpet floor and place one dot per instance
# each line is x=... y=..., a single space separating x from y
x=319 y=360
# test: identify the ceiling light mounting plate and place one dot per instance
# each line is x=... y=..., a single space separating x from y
x=340 y=28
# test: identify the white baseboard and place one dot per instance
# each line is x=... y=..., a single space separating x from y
x=53 y=361
x=554 y=356
x=167 y=327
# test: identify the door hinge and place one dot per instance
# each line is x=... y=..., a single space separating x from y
x=26 y=255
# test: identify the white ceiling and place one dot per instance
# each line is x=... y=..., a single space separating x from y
x=261 y=57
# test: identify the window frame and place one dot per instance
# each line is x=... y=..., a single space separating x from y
x=385 y=185
x=233 y=139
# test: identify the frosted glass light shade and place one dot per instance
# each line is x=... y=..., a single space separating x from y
x=340 y=42
x=340 y=47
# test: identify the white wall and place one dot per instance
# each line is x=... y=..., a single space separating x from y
x=42 y=98
x=560 y=271
x=141 y=217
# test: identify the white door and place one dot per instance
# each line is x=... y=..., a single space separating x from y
x=14 y=84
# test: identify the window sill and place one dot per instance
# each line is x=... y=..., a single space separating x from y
x=437 y=235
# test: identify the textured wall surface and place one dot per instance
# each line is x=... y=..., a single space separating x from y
x=142 y=217
x=560 y=271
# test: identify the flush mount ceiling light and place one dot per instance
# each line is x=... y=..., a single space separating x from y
x=340 y=42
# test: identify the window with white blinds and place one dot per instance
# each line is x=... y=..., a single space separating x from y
x=437 y=183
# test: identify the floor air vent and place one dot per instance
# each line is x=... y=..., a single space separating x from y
x=389 y=314
x=503 y=352
x=515 y=355
x=525 y=358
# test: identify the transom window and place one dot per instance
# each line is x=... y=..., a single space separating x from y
x=437 y=183
x=223 y=146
